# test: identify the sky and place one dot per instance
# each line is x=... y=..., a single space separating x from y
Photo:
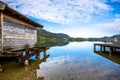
x=77 y=18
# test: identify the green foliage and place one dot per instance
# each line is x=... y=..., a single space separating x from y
x=77 y=39
x=44 y=36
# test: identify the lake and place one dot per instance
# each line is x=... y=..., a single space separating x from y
x=73 y=61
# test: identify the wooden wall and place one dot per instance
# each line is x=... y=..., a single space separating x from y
x=17 y=34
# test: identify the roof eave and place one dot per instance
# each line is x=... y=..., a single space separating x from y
x=4 y=6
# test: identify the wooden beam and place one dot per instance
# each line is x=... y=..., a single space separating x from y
x=1 y=32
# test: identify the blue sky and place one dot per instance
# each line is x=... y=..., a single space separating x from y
x=77 y=18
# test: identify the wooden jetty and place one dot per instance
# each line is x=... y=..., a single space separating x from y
x=24 y=54
x=112 y=48
x=29 y=53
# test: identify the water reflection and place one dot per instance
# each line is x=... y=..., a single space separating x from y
x=15 y=71
x=76 y=61
x=51 y=44
x=115 y=57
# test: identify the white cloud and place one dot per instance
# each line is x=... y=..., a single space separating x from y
x=91 y=30
x=114 y=25
x=61 y=11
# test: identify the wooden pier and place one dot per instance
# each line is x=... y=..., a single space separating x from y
x=112 y=48
x=27 y=53
x=22 y=56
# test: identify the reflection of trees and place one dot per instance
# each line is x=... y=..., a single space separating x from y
x=50 y=44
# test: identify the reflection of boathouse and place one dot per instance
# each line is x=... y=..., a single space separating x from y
x=16 y=30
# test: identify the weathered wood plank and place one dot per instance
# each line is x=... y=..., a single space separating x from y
x=109 y=45
x=1 y=32
x=17 y=33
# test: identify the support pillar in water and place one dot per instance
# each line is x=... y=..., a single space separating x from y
x=104 y=49
x=38 y=55
x=20 y=58
x=26 y=62
x=44 y=52
x=94 y=47
x=101 y=49
x=110 y=51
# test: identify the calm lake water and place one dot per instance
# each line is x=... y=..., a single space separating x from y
x=74 y=61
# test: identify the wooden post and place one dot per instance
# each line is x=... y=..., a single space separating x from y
x=37 y=52
x=114 y=50
x=44 y=51
x=26 y=62
x=94 y=47
x=110 y=51
x=20 y=58
x=1 y=32
x=38 y=56
x=101 y=49
x=104 y=48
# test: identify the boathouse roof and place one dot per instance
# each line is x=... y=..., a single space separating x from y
x=13 y=13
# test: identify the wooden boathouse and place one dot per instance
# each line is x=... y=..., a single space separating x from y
x=16 y=30
x=18 y=34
